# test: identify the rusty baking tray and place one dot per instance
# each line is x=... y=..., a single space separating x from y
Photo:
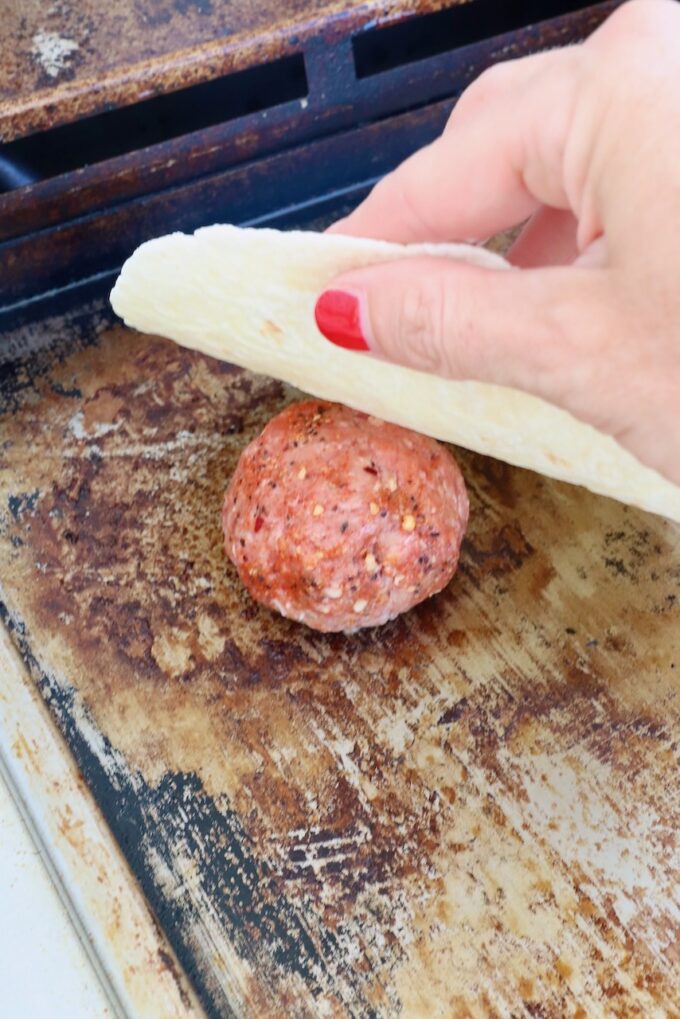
x=473 y=811
x=307 y=95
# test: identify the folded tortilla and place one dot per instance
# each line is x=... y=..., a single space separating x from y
x=247 y=296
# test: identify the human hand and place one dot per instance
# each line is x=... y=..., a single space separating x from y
x=586 y=142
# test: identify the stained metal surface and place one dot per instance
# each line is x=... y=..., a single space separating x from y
x=59 y=229
x=65 y=60
x=335 y=101
x=473 y=811
x=130 y=953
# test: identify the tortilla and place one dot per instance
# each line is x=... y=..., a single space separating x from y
x=247 y=296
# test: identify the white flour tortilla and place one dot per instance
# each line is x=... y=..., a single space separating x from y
x=247 y=296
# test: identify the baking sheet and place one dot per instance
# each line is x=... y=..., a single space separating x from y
x=133 y=960
x=473 y=811
x=63 y=61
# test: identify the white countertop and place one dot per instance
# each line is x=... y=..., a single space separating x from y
x=44 y=970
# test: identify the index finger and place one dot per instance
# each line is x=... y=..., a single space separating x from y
x=498 y=160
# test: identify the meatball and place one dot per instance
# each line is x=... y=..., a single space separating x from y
x=340 y=520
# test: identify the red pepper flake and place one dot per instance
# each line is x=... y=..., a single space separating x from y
x=259 y=524
x=371 y=469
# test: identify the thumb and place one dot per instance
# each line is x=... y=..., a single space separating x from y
x=547 y=331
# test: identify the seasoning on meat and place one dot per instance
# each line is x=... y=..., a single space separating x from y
x=375 y=528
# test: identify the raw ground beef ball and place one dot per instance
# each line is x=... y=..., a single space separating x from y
x=341 y=521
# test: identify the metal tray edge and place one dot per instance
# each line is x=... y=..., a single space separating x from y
x=133 y=960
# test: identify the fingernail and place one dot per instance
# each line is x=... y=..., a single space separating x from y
x=338 y=316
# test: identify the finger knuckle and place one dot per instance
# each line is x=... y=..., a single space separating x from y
x=494 y=80
x=494 y=76
x=477 y=94
x=579 y=355
x=419 y=330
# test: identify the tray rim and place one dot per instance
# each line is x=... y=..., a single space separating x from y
x=135 y=963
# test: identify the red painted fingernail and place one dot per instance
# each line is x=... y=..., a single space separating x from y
x=338 y=316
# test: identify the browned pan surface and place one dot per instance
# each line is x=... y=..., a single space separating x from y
x=66 y=59
x=473 y=811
